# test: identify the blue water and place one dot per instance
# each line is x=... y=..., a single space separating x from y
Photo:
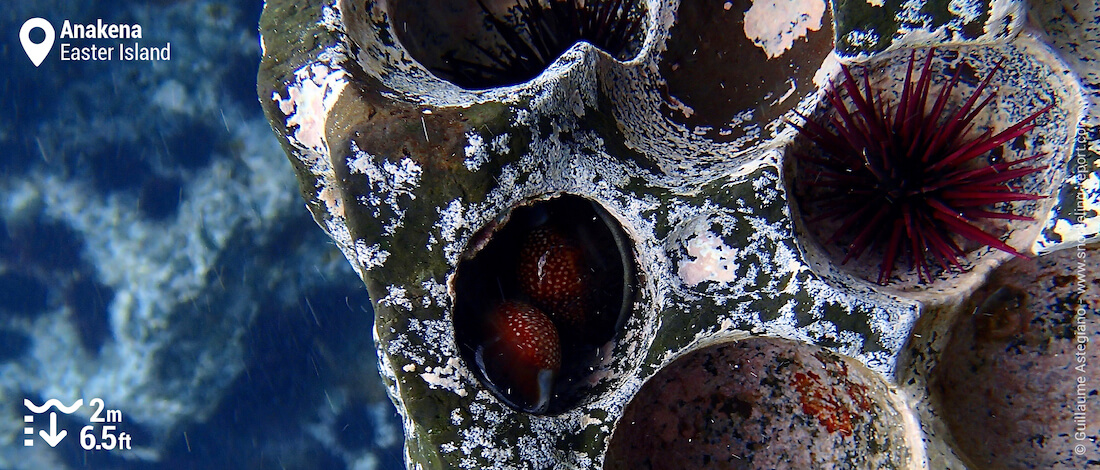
x=154 y=253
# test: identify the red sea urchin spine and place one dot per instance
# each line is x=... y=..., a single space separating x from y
x=907 y=177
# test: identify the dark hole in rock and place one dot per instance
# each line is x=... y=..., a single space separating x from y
x=479 y=44
x=715 y=73
x=535 y=306
x=910 y=217
x=22 y=294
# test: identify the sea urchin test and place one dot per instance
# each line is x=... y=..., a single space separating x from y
x=127 y=51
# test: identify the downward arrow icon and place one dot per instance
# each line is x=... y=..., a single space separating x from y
x=53 y=438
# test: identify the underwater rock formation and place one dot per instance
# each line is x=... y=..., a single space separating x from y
x=761 y=403
x=1016 y=373
x=430 y=184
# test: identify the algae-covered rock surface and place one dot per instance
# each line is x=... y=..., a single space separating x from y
x=582 y=221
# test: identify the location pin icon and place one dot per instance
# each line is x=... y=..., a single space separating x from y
x=36 y=52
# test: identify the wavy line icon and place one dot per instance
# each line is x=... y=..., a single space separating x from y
x=54 y=403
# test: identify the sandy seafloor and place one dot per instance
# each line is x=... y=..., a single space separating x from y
x=155 y=254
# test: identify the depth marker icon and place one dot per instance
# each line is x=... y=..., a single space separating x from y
x=53 y=437
x=28 y=442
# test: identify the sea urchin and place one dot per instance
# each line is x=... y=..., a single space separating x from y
x=912 y=178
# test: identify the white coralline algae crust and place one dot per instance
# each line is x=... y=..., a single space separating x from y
x=307 y=103
x=924 y=23
x=710 y=260
x=1083 y=222
x=774 y=25
x=388 y=182
x=1072 y=29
